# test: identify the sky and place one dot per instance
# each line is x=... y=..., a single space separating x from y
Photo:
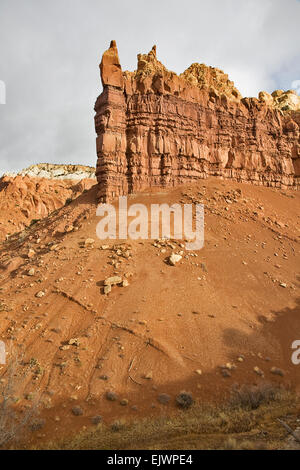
x=50 y=52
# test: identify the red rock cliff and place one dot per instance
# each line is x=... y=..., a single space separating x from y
x=155 y=128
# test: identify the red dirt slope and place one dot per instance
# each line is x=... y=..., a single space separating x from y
x=230 y=310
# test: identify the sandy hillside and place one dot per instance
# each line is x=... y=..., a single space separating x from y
x=224 y=315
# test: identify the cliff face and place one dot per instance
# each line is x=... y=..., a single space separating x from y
x=155 y=128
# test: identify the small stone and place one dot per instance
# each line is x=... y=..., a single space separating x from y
x=77 y=411
x=124 y=402
x=96 y=419
x=277 y=371
x=125 y=283
x=198 y=371
x=31 y=272
x=283 y=284
x=149 y=376
x=30 y=253
x=111 y=281
x=106 y=290
x=40 y=294
x=69 y=228
x=103 y=377
x=111 y=396
x=230 y=366
x=74 y=342
x=225 y=373
x=164 y=398
x=173 y=259
x=129 y=274
x=89 y=242
x=54 y=247
x=29 y=396
x=258 y=371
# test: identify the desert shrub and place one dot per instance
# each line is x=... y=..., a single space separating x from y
x=11 y=423
x=252 y=397
x=118 y=425
x=184 y=400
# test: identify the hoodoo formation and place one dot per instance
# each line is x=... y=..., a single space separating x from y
x=155 y=128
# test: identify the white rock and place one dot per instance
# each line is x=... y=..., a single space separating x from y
x=173 y=259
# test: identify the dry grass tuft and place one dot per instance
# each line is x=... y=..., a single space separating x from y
x=234 y=425
x=11 y=424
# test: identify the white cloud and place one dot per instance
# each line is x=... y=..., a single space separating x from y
x=50 y=53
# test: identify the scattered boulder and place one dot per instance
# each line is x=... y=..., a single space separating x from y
x=103 y=377
x=112 y=281
x=173 y=259
x=69 y=228
x=277 y=371
x=111 y=396
x=107 y=289
x=74 y=342
x=258 y=371
x=89 y=242
x=77 y=411
x=225 y=373
x=164 y=398
x=30 y=253
x=40 y=294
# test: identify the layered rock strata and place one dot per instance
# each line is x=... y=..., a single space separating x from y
x=157 y=129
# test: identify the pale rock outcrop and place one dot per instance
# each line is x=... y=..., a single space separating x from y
x=56 y=172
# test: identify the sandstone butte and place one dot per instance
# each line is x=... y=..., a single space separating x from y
x=158 y=129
